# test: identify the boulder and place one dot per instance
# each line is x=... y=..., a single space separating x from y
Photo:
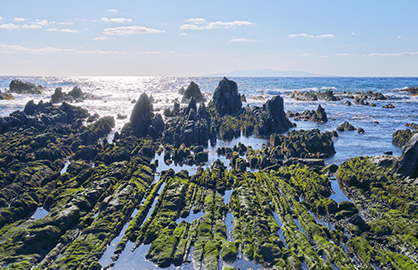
x=411 y=90
x=345 y=126
x=401 y=137
x=21 y=87
x=360 y=130
x=226 y=98
x=75 y=95
x=276 y=120
x=193 y=90
x=322 y=115
x=408 y=163
x=6 y=96
x=389 y=106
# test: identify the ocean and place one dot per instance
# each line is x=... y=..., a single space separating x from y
x=116 y=96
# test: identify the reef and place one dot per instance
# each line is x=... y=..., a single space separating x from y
x=327 y=95
x=21 y=87
x=75 y=95
x=193 y=90
x=319 y=116
x=276 y=206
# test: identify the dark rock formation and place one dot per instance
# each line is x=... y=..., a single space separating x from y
x=226 y=98
x=360 y=130
x=21 y=87
x=75 y=95
x=345 y=126
x=327 y=95
x=319 y=115
x=408 y=163
x=411 y=90
x=192 y=90
x=143 y=121
x=389 y=106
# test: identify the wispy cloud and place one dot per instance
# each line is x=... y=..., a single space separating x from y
x=41 y=22
x=63 y=23
x=130 y=30
x=201 y=24
x=62 y=30
x=1 y=18
x=345 y=54
x=112 y=10
x=394 y=54
x=18 y=49
x=353 y=33
x=116 y=20
x=19 y=19
x=101 y=38
x=31 y=26
x=241 y=40
x=304 y=35
x=185 y=34
x=196 y=21
x=9 y=26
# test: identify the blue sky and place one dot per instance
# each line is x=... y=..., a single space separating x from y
x=195 y=38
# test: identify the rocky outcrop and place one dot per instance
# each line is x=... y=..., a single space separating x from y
x=143 y=122
x=402 y=137
x=411 y=90
x=273 y=118
x=75 y=95
x=21 y=87
x=327 y=95
x=193 y=90
x=345 y=126
x=389 y=106
x=408 y=163
x=318 y=116
x=226 y=98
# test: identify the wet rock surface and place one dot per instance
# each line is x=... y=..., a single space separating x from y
x=276 y=206
x=226 y=98
x=75 y=95
x=327 y=95
x=193 y=90
x=22 y=87
x=319 y=116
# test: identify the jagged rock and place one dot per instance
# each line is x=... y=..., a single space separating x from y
x=347 y=103
x=360 y=130
x=411 y=90
x=401 y=137
x=21 y=87
x=193 y=90
x=273 y=117
x=312 y=96
x=389 y=106
x=345 y=126
x=75 y=95
x=319 y=115
x=408 y=163
x=226 y=98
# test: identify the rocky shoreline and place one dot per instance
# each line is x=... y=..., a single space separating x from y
x=285 y=215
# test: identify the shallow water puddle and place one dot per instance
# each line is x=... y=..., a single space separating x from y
x=338 y=194
x=39 y=213
x=64 y=170
x=227 y=196
x=317 y=220
x=191 y=217
x=229 y=223
x=242 y=263
x=280 y=231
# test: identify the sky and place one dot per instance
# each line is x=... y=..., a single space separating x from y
x=197 y=38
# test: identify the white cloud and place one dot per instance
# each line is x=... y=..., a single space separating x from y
x=18 y=49
x=112 y=10
x=185 y=34
x=63 y=23
x=9 y=26
x=311 y=36
x=241 y=40
x=130 y=30
x=101 y=38
x=353 y=33
x=31 y=26
x=306 y=54
x=196 y=24
x=344 y=54
x=19 y=19
x=116 y=20
x=196 y=21
x=1 y=18
x=399 y=37
x=62 y=30
x=394 y=54
x=41 y=22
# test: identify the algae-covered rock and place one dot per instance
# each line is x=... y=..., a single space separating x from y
x=401 y=137
x=408 y=163
x=345 y=126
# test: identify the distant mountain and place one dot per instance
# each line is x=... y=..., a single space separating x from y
x=266 y=73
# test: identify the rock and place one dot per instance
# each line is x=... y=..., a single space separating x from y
x=6 y=96
x=360 y=130
x=75 y=95
x=21 y=87
x=347 y=103
x=412 y=125
x=389 y=106
x=408 y=163
x=411 y=90
x=274 y=117
x=401 y=137
x=121 y=116
x=318 y=116
x=322 y=116
x=345 y=126
x=181 y=91
x=388 y=153
x=312 y=96
x=193 y=90
x=311 y=162
x=226 y=98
